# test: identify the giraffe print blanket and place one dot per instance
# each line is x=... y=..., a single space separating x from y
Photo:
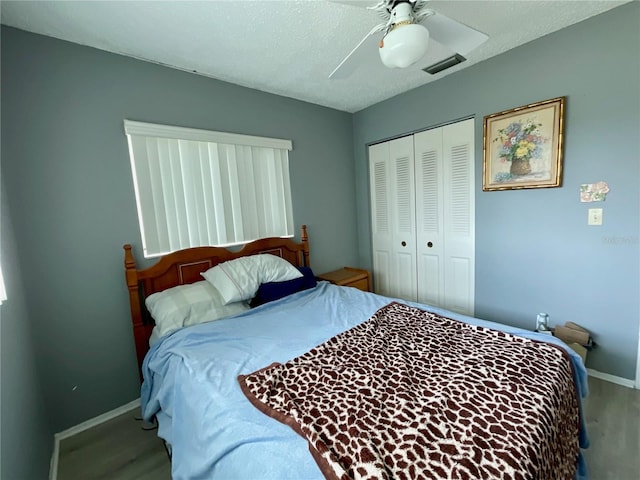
x=413 y=395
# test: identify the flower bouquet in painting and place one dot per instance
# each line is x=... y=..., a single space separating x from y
x=520 y=142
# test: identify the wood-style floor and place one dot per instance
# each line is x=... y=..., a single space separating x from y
x=613 y=422
x=120 y=450
x=115 y=450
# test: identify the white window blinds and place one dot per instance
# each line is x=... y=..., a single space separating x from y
x=198 y=187
x=3 y=292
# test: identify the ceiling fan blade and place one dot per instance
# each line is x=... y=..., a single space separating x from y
x=359 y=54
x=455 y=35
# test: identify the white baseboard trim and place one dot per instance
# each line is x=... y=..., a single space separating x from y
x=92 y=422
x=53 y=466
x=625 y=382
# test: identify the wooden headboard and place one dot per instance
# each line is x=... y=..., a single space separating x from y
x=185 y=266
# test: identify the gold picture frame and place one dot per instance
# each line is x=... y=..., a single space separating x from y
x=523 y=147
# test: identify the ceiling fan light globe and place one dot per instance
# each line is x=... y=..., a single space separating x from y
x=404 y=45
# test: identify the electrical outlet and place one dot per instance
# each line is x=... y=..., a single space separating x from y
x=595 y=216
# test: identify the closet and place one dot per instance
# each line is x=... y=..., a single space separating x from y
x=423 y=217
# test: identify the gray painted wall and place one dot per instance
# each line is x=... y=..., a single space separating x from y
x=534 y=250
x=25 y=433
x=68 y=180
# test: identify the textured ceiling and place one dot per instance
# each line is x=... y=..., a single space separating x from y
x=283 y=47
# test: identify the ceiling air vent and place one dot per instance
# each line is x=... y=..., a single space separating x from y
x=444 y=64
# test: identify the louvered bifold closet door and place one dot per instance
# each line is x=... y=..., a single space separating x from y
x=393 y=218
x=379 y=172
x=429 y=216
x=459 y=217
x=404 y=279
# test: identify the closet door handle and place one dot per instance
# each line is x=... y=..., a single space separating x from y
x=429 y=244
x=403 y=243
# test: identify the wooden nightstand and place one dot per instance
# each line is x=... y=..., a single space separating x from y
x=348 y=277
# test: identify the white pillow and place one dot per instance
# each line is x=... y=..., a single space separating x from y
x=190 y=304
x=240 y=278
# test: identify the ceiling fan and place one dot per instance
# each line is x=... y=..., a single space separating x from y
x=410 y=33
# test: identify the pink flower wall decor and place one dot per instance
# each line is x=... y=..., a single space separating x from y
x=594 y=192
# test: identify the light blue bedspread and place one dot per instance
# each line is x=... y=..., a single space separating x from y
x=190 y=383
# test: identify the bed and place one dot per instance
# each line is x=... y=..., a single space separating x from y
x=317 y=384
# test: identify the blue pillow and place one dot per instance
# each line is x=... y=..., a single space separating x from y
x=268 y=292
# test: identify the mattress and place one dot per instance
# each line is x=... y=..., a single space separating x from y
x=190 y=382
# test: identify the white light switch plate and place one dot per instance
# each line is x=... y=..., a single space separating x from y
x=595 y=216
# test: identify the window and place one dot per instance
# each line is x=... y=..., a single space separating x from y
x=3 y=292
x=198 y=187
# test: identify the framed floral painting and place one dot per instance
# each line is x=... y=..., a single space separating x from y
x=523 y=147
